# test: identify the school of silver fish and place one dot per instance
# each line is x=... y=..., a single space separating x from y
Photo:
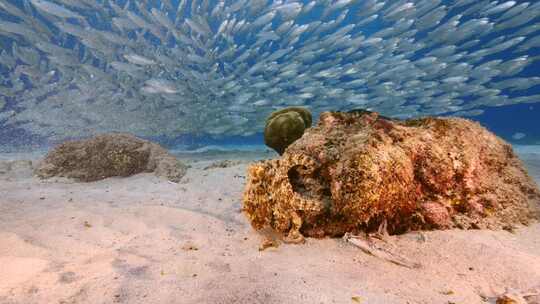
x=73 y=68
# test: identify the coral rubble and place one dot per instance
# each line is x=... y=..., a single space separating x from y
x=109 y=155
x=356 y=171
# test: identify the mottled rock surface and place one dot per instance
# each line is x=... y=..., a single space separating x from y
x=109 y=155
x=356 y=171
x=285 y=126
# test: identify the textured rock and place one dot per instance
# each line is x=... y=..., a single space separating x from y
x=356 y=171
x=285 y=126
x=109 y=155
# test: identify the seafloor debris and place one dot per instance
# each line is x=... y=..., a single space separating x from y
x=222 y=164
x=189 y=246
x=285 y=126
x=109 y=155
x=510 y=299
x=379 y=249
x=515 y=297
x=268 y=243
x=356 y=171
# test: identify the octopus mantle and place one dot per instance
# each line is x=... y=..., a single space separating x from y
x=355 y=171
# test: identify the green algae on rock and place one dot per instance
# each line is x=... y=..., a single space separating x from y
x=285 y=126
x=356 y=171
x=109 y=155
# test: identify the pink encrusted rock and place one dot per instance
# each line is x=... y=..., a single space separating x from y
x=355 y=171
x=436 y=215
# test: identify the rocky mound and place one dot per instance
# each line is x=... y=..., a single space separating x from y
x=357 y=171
x=109 y=155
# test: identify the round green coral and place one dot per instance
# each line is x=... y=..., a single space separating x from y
x=285 y=126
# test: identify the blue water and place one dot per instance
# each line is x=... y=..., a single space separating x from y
x=211 y=114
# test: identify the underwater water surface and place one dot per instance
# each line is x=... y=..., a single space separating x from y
x=191 y=74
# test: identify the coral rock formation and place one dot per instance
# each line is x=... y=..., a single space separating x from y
x=109 y=155
x=356 y=171
x=285 y=126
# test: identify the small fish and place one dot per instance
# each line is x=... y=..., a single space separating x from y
x=139 y=60
x=54 y=9
x=500 y=8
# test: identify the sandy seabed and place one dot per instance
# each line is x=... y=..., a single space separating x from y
x=145 y=240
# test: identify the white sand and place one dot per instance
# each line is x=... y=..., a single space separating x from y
x=133 y=240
